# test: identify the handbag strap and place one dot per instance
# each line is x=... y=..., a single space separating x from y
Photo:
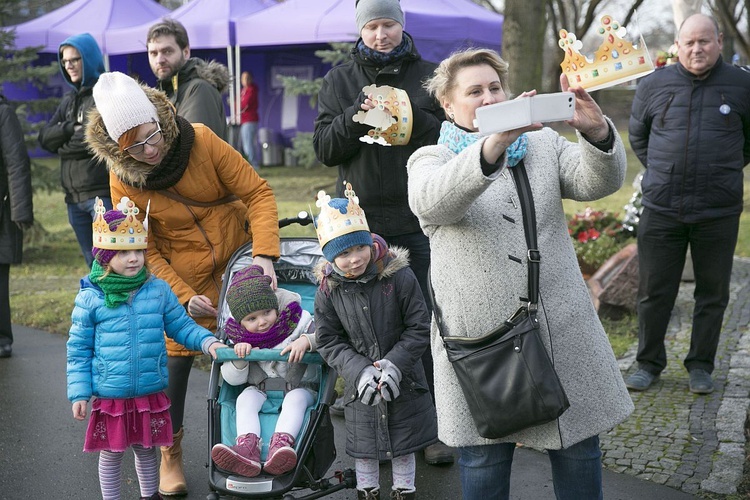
x=526 y=199
x=194 y=203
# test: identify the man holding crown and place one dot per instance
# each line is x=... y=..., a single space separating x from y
x=690 y=127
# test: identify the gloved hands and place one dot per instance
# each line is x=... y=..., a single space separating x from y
x=390 y=379
x=367 y=386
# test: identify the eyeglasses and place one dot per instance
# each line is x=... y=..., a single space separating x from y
x=151 y=140
x=72 y=61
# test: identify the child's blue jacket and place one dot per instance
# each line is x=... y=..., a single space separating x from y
x=121 y=352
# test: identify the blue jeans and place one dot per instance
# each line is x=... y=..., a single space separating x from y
x=249 y=133
x=81 y=216
x=576 y=471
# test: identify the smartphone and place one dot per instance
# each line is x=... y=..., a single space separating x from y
x=509 y=115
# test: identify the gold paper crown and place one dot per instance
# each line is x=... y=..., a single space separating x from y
x=130 y=234
x=615 y=61
x=391 y=117
x=332 y=223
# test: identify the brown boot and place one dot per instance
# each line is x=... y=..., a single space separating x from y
x=171 y=474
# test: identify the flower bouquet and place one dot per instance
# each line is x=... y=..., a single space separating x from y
x=597 y=235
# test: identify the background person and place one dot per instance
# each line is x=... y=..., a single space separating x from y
x=249 y=118
x=16 y=210
x=119 y=365
x=193 y=85
x=690 y=127
x=467 y=203
x=384 y=55
x=83 y=177
x=205 y=203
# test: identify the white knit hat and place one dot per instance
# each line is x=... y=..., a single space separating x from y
x=122 y=103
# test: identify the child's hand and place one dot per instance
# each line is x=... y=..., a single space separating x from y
x=242 y=349
x=215 y=347
x=297 y=349
x=79 y=410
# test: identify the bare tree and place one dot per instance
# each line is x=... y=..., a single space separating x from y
x=523 y=43
x=732 y=14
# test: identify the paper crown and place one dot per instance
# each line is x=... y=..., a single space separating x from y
x=615 y=61
x=391 y=116
x=331 y=223
x=130 y=234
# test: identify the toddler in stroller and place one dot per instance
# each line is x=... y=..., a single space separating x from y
x=263 y=319
x=314 y=443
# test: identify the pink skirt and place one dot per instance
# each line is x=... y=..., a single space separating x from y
x=116 y=424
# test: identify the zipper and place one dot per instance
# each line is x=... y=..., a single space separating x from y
x=666 y=108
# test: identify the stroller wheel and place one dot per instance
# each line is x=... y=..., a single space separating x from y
x=212 y=496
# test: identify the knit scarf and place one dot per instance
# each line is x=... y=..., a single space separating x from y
x=383 y=58
x=457 y=139
x=284 y=326
x=116 y=287
x=170 y=170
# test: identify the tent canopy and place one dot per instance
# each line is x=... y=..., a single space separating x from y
x=438 y=26
x=85 y=16
x=210 y=25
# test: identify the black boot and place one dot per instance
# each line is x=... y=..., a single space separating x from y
x=399 y=494
x=368 y=494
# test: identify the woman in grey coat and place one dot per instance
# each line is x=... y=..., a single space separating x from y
x=467 y=204
x=16 y=211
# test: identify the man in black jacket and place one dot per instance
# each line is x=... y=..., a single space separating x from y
x=193 y=85
x=690 y=127
x=83 y=177
x=384 y=55
x=16 y=212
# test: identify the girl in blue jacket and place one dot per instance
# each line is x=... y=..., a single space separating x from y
x=117 y=353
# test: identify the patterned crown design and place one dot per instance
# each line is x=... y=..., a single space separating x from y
x=130 y=234
x=332 y=223
x=615 y=61
x=391 y=117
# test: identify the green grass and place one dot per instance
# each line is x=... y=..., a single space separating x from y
x=44 y=287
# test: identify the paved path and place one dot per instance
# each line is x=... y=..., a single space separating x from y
x=689 y=442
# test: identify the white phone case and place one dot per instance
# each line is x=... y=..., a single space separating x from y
x=509 y=115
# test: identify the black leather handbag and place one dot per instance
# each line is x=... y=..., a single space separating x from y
x=506 y=375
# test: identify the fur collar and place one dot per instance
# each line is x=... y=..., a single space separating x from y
x=399 y=259
x=124 y=166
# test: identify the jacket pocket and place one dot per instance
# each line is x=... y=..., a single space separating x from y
x=724 y=185
x=657 y=183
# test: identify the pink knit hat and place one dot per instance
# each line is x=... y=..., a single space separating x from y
x=114 y=218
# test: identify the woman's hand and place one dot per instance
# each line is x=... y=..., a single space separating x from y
x=79 y=409
x=367 y=103
x=199 y=306
x=496 y=144
x=588 y=117
x=267 y=265
x=297 y=349
x=242 y=349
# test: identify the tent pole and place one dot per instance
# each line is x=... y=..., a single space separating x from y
x=232 y=77
x=106 y=62
x=238 y=80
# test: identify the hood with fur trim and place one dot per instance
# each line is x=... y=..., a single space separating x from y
x=125 y=167
x=212 y=71
x=398 y=258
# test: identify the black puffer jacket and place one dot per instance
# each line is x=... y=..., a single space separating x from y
x=358 y=323
x=378 y=173
x=15 y=185
x=693 y=136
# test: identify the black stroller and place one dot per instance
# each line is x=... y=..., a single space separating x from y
x=315 y=443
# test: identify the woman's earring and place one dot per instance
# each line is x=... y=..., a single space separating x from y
x=450 y=117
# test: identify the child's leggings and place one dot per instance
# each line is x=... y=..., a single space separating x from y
x=110 y=471
x=404 y=469
x=290 y=419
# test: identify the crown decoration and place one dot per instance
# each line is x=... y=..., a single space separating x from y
x=615 y=61
x=391 y=116
x=331 y=223
x=130 y=234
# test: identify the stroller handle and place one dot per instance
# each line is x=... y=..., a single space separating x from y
x=303 y=219
x=227 y=354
